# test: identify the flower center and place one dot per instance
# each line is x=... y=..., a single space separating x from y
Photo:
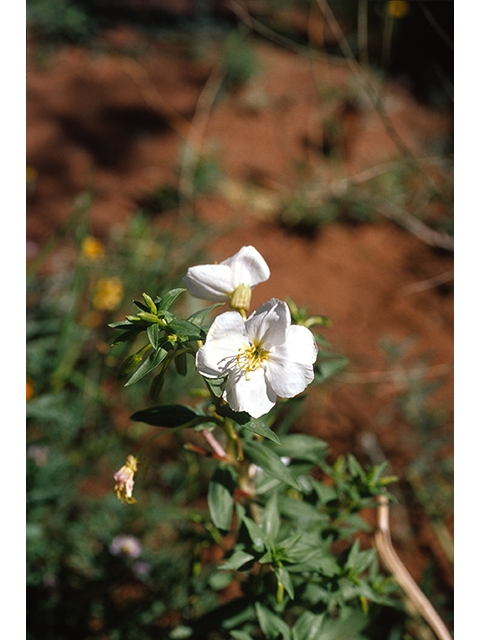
x=251 y=358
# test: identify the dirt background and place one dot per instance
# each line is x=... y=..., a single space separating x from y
x=129 y=117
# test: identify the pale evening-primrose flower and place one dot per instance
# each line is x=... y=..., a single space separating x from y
x=262 y=358
x=126 y=545
x=233 y=279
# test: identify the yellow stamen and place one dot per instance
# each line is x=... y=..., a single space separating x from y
x=251 y=358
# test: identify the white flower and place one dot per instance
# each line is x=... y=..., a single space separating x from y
x=218 y=282
x=126 y=545
x=264 y=357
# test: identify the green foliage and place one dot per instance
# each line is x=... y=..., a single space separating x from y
x=276 y=495
x=59 y=20
x=239 y=63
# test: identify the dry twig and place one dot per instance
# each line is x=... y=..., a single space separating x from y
x=393 y=563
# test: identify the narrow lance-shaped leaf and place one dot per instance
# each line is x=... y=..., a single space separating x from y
x=271 y=625
x=168 y=299
x=237 y=560
x=267 y=460
x=329 y=367
x=153 y=360
x=220 y=498
x=258 y=426
x=153 y=335
x=167 y=415
x=308 y=626
x=270 y=521
x=187 y=329
x=302 y=447
x=199 y=316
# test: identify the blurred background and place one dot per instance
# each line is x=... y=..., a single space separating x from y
x=162 y=134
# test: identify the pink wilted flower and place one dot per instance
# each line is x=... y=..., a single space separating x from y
x=124 y=480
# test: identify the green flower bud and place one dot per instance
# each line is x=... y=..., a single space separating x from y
x=150 y=303
x=129 y=365
x=149 y=317
x=156 y=385
x=181 y=363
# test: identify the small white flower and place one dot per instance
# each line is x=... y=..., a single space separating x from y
x=264 y=357
x=126 y=545
x=218 y=282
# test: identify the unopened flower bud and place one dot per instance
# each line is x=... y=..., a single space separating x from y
x=129 y=365
x=241 y=297
x=150 y=303
x=149 y=317
x=181 y=363
x=156 y=386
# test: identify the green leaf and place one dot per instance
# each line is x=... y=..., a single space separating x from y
x=240 y=417
x=187 y=330
x=141 y=306
x=220 y=498
x=358 y=560
x=168 y=299
x=350 y=623
x=181 y=632
x=355 y=468
x=270 y=521
x=166 y=415
x=240 y=635
x=271 y=625
x=324 y=492
x=267 y=460
x=153 y=360
x=124 y=324
x=308 y=626
x=257 y=536
x=258 y=426
x=315 y=560
x=238 y=559
x=284 y=579
x=199 y=316
x=329 y=367
x=152 y=334
x=215 y=385
x=302 y=447
x=126 y=336
x=300 y=510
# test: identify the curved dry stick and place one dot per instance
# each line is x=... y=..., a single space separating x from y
x=388 y=555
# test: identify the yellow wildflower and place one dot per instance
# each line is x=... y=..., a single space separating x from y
x=92 y=248
x=398 y=8
x=108 y=294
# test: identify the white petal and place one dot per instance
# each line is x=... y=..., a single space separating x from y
x=269 y=323
x=250 y=393
x=224 y=339
x=248 y=267
x=288 y=379
x=300 y=346
x=210 y=282
x=290 y=366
